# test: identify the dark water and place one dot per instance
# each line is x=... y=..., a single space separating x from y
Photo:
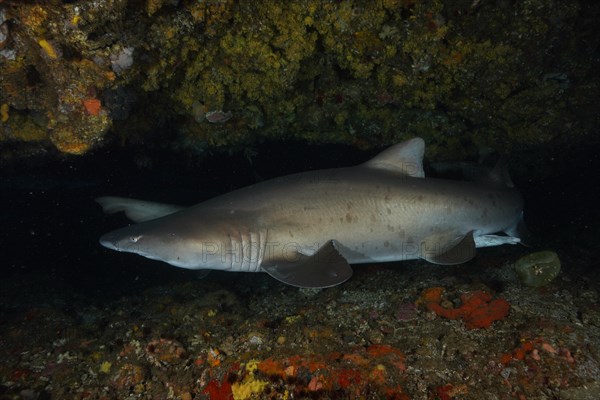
x=50 y=224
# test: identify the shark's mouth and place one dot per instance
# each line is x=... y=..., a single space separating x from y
x=109 y=244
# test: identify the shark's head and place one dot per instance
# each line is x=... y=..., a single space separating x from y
x=177 y=242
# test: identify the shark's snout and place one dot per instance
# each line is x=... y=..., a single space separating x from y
x=121 y=240
x=132 y=240
x=125 y=239
x=109 y=242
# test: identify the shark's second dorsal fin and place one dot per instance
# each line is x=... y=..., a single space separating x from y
x=499 y=175
x=405 y=158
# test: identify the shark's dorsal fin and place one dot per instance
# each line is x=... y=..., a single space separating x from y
x=325 y=268
x=405 y=158
x=136 y=210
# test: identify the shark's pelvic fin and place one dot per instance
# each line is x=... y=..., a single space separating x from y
x=136 y=210
x=325 y=268
x=405 y=158
x=495 y=240
x=440 y=251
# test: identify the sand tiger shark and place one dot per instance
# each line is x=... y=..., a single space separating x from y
x=306 y=229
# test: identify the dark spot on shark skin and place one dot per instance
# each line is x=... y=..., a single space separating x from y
x=349 y=206
x=373 y=218
x=386 y=244
x=348 y=218
x=389 y=211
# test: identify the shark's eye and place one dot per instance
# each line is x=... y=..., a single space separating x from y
x=134 y=239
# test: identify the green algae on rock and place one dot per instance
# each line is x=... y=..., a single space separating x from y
x=462 y=75
x=538 y=269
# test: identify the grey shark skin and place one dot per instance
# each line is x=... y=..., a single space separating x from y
x=305 y=229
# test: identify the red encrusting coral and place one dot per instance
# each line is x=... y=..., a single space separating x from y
x=218 y=390
x=478 y=310
x=92 y=106
x=350 y=372
x=519 y=353
x=376 y=368
x=534 y=348
x=431 y=295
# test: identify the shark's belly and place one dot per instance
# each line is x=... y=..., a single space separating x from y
x=367 y=230
x=360 y=237
x=378 y=219
x=356 y=247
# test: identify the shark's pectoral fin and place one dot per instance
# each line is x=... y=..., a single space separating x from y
x=439 y=250
x=136 y=210
x=325 y=268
